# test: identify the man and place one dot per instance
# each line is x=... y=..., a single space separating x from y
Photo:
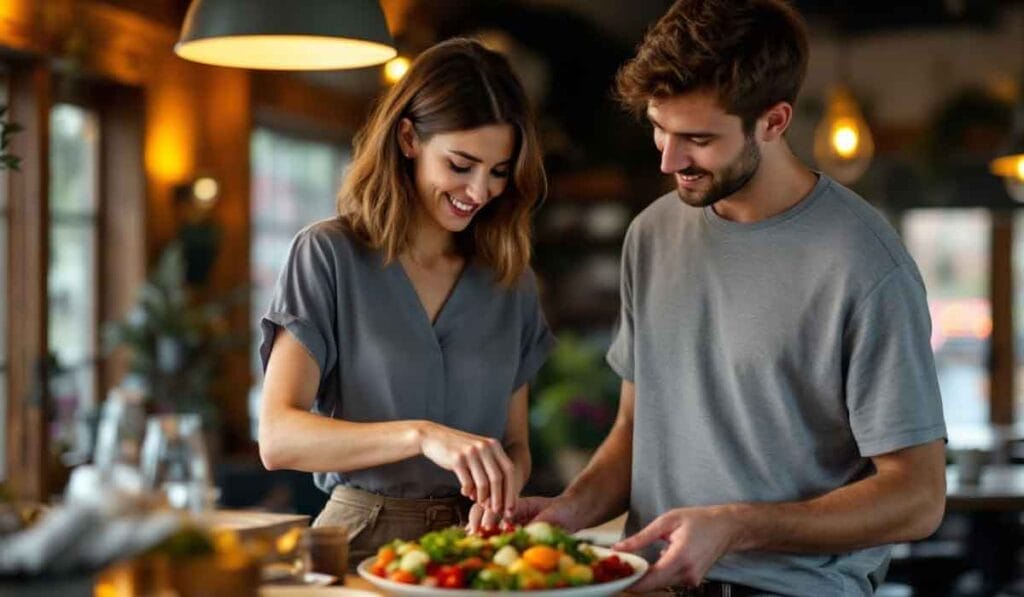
x=780 y=420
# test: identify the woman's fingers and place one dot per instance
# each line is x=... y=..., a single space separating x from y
x=495 y=475
x=480 y=480
x=462 y=471
x=489 y=519
x=482 y=518
x=511 y=491
x=476 y=515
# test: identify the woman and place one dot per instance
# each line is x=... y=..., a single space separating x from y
x=410 y=324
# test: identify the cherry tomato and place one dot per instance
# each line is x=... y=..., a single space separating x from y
x=451 y=577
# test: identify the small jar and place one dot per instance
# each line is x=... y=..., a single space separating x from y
x=328 y=550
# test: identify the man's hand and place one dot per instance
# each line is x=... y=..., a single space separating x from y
x=557 y=510
x=696 y=537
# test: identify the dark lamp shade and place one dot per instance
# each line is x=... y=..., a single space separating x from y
x=286 y=34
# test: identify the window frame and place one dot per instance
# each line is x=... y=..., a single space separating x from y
x=93 y=359
x=31 y=471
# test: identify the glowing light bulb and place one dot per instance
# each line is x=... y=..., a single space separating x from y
x=395 y=69
x=843 y=145
x=846 y=140
x=1011 y=169
x=1015 y=184
x=205 y=190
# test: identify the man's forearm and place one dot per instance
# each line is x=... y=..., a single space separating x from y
x=887 y=507
x=519 y=454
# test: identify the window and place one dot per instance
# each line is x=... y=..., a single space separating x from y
x=294 y=183
x=72 y=273
x=951 y=247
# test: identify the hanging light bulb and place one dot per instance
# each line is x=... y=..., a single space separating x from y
x=395 y=69
x=843 y=146
x=1010 y=163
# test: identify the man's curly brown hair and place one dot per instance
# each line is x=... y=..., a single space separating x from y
x=752 y=53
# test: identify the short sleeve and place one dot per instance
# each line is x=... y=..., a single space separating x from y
x=892 y=392
x=536 y=338
x=303 y=301
x=620 y=353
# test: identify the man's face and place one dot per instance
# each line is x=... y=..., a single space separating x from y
x=703 y=146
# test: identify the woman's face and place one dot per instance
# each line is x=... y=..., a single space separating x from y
x=458 y=173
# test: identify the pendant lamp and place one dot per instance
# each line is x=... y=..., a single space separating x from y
x=1009 y=164
x=843 y=145
x=286 y=34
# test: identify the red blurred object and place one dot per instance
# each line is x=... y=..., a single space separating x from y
x=611 y=568
x=404 y=577
x=451 y=577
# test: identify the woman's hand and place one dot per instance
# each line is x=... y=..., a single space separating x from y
x=483 y=519
x=484 y=470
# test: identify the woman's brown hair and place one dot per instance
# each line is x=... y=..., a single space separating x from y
x=752 y=53
x=456 y=85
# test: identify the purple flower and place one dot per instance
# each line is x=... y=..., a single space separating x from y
x=580 y=408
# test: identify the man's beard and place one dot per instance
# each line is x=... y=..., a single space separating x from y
x=729 y=180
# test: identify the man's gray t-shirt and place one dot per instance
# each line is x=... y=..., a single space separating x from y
x=771 y=360
x=381 y=359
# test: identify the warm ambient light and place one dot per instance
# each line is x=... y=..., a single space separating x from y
x=169 y=144
x=1011 y=166
x=395 y=69
x=845 y=140
x=843 y=146
x=1011 y=169
x=277 y=35
x=280 y=52
x=205 y=190
x=1009 y=162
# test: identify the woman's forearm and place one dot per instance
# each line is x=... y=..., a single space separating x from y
x=299 y=440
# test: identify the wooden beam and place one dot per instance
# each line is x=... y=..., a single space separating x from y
x=1002 y=360
x=122 y=253
x=27 y=410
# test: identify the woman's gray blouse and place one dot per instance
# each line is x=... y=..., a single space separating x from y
x=381 y=359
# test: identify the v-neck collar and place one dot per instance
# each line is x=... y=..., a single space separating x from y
x=451 y=306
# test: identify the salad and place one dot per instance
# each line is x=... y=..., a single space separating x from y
x=533 y=557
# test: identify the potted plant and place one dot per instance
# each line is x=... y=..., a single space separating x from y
x=577 y=396
x=175 y=343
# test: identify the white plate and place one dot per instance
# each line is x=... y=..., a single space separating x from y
x=318 y=579
x=600 y=590
x=283 y=573
x=304 y=591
